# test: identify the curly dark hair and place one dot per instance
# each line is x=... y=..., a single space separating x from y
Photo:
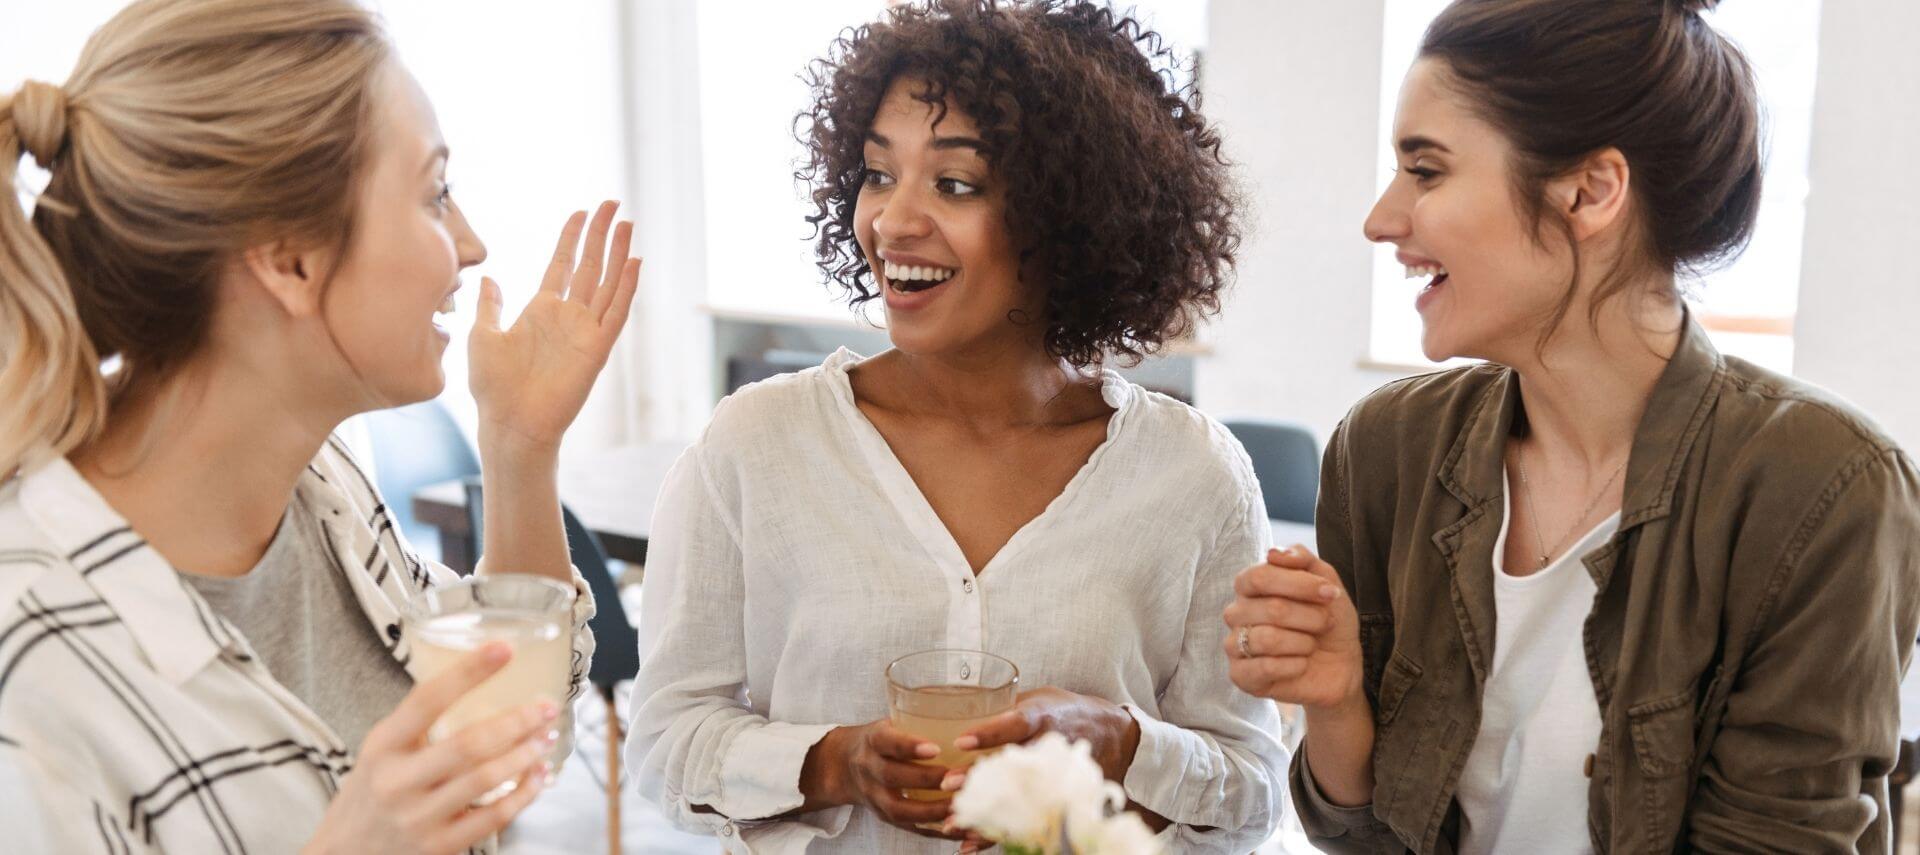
x=1116 y=189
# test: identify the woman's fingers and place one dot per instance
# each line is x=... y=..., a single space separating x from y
x=1308 y=617
x=907 y=813
x=895 y=744
x=618 y=300
x=1259 y=675
x=528 y=756
x=407 y=725
x=1270 y=641
x=586 y=277
x=1268 y=580
x=896 y=775
x=482 y=743
x=1297 y=557
x=555 y=282
x=618 y=254
x=1012 y=727
x=476 y=824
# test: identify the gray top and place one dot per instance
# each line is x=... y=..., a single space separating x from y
x=298 y=611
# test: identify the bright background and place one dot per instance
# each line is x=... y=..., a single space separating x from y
x=685 y=110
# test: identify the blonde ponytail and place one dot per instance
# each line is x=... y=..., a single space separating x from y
x=188 y=131
x=54 y=396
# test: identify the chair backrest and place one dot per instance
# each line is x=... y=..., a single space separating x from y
x=413 y=446
x=742 y=370
x=616 y=654
x=1286 y=461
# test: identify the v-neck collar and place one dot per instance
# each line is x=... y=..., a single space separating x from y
x=917 y=513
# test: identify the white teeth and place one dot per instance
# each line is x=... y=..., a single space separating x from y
x=446 y=306
x=1425 y=271
x=904 y=273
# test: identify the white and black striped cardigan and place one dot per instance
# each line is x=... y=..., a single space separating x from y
x=138 y=717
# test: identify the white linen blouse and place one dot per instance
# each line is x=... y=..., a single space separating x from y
x=792 y=557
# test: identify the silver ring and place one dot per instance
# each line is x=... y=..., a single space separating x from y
x=1245 y=636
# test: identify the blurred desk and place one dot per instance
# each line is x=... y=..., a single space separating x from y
x=613 y=492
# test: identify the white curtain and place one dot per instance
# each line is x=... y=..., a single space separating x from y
x=658 y=385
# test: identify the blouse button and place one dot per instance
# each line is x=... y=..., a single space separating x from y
x=966 y=670
x=967 y=586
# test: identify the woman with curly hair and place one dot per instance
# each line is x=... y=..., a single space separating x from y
x=1028 y=198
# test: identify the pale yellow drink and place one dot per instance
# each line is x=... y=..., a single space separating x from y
x=531 y=615
x=539 y=667
x=941 y=714
x=939 y=695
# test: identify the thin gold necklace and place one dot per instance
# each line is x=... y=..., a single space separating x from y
x=1546 y=555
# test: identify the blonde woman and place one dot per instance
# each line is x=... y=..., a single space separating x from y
x=248 y=218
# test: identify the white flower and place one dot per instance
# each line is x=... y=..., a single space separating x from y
x=1025 y=795
x=1121 y=834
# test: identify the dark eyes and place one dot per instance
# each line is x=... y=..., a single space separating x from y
x=949 y=186
x=956 y=187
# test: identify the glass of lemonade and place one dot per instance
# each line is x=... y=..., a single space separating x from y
x=531 y=614
x=940 y=694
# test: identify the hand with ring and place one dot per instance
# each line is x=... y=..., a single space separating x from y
x=1295 y=634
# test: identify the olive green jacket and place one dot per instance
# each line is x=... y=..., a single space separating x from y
x=1755 y=611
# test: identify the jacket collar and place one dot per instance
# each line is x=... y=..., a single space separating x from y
x=1474 y=469
x=1474 y=472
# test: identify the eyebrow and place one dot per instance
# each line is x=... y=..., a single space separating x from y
x=438 y=154
x=978 y=145
x=1412 y=144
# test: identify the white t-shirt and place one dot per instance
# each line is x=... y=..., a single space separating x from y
x=1525 y=785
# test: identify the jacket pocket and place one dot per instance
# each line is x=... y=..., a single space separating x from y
x=1401 y=675
x=1663 y=735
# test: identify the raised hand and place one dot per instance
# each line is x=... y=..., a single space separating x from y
x=531 y=379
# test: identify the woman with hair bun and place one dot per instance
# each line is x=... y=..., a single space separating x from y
x=246 y=239
x=1610 y=590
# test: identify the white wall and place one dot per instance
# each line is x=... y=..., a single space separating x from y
x=1860 y=284
x=1295 y=86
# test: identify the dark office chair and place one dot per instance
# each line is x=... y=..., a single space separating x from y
x=1286 y=461
x=413 y=446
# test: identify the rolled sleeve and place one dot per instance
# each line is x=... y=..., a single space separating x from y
x=1336 y=828
x=760 y=774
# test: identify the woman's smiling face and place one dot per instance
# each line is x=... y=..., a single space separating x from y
x=1490 y=285
x=931 y=220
